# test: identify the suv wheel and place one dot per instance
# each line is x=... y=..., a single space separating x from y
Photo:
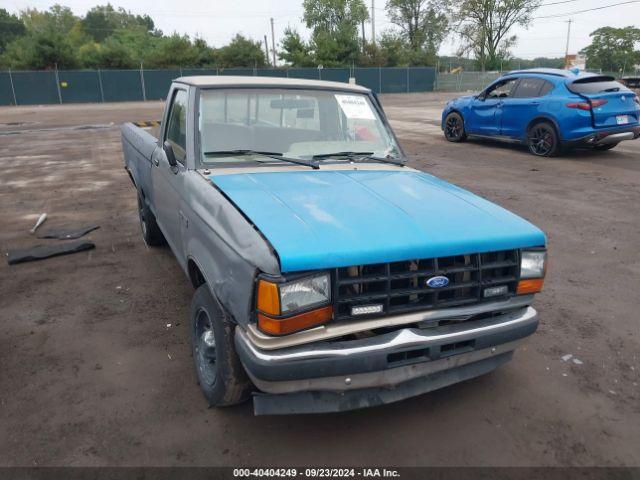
x=454 y=128
x=221 y=375
x=543 y=140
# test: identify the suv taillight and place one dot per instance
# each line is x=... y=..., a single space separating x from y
x=586 y=105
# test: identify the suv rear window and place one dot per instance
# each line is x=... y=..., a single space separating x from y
x=599 y=84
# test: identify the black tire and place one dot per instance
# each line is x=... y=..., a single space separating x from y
x=454 y=128
x=605 y=147
x=151 y=233
x=220 y=374
x=543 y=140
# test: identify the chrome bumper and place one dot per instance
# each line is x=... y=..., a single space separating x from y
x=387 y=361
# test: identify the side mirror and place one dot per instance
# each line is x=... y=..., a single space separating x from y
x=168 y=151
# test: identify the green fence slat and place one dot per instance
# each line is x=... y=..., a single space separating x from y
x=35 y=88
x=6 y=94
x=335 y=74
x=121 y=85
x=368 y=77
x=272 y=72
x=79 y=86
x=157 y=83
x=188 y=72
x=39 y=87
x=306 y=73
x=393 y=80
x=243 y=72
x=421 y=79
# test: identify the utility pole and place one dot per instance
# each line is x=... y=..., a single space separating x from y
x=566 y=51
x=364 y=40
x=266 y=48
x=373 y=22
x=273 y=43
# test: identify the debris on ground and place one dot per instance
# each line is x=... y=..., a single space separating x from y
x=68 y=233
x=40 y=221
x=577 y=361
x=567 y=357
x=40 y=252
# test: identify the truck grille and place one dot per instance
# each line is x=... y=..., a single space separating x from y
x=399 y=287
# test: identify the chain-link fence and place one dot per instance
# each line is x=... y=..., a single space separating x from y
x=466 y=81
x=73 y=86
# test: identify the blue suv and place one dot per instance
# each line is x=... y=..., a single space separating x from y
x=549 y=110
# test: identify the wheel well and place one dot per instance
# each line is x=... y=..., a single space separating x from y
x=195 y=275
x=537 y=120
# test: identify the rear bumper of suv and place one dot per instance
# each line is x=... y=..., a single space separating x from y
x=343 y=375
x=605 y=137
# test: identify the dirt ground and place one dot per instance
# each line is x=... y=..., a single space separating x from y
x=92 y=374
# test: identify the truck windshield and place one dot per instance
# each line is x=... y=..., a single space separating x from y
x=296 y=124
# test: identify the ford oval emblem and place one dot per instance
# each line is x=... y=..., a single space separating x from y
x=437 y=282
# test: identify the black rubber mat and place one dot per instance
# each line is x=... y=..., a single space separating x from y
x=67 y=233
x=40 y=252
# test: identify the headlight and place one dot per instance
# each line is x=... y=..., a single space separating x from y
x=288 y=307
x=303 y=294
x=533 y=263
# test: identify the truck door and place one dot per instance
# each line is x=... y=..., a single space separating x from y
x=167 y=180
x=484 y=111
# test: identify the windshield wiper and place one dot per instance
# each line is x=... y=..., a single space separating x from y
x=359 y=157
x=274 y=155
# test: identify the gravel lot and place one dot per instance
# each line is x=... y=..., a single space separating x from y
x=92 y=375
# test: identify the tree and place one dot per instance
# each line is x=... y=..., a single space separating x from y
x=204 y=55
x=334 y=25
x=41 y=50
x=295 y=51
x=12 y=28
x=242 y=52
x=49 y=40
x=484 y=27
x=613 y=49
x=102 y=21
x=423 y=23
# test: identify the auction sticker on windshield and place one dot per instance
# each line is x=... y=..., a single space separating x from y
x=355 y=106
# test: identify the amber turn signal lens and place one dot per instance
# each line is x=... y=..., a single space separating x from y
x=283 y=326
x=533 y=285
x=268 y=298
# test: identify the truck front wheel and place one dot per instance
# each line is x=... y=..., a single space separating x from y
x=221 y=375
x=151 y=233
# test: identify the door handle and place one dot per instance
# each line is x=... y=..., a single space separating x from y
x=156 y=162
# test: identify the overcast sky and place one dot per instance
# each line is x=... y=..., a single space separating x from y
x=217 y=21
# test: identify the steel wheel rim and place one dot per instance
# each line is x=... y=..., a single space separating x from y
x=143 y=220
x=453 y=128
x=205 y=348
x=541 y=141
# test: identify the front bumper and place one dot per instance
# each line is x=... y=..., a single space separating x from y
x=615 y=135
x=349 y=374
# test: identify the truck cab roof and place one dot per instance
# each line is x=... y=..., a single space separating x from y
x=221 y=81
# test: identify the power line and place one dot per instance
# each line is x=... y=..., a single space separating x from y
x=558 y=3
x=588 y=10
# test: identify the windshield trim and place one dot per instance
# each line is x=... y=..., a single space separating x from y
x=375 y=102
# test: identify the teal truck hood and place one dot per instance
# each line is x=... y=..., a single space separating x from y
x=327 y=219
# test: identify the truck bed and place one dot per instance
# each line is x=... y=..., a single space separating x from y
x=138 y=145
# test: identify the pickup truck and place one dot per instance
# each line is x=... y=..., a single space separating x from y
x=328 y=274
